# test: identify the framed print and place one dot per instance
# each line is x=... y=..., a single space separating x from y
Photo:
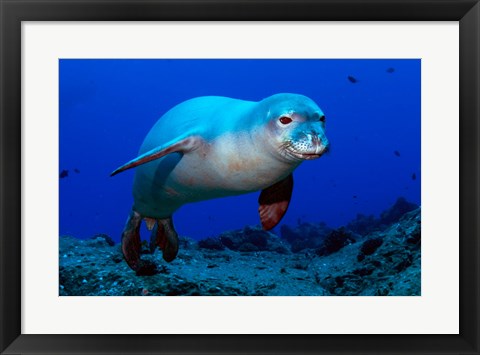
x=210 y=177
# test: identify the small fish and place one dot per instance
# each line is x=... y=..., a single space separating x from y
x=352 y=79
x=63 y=174
x=390 y=70
x=76 y=170
x=414 y=176
x=354 y=196
x=397 y=153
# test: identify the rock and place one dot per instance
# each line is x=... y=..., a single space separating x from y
x=363 y=224
x=392 y=270
x=247 y=247
x=106 y=238
x=258 y=263
x=184 y=289
x=301 y=265
x=412 y=230
x=363 y=271
x=305 y=235
x=211 y=244
x=252 y=239
x=147 y=268
x=281 y=249
x=117 y=258
x=257 y=237
x=186 y=243
x=414 y=239
x=335 y=241
x=371 y=245
x=394 y=213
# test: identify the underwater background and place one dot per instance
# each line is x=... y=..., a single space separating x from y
x=353 y=226
x=108 y=106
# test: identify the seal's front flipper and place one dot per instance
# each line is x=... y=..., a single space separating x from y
x=274 y=202
x=182 y=145
x=166 y=238
x=131 y=240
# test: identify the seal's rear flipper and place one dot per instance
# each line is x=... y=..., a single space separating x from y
x=183 y=144
x=274 y=202
x=131 y=247
x=131 y=240
x=166 y=238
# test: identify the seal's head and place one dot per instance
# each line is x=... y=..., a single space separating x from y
x=296 y=127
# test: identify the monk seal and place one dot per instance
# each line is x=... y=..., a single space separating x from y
x=210 y=147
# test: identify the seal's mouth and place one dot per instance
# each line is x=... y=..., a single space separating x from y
x=309 y=148
x=306 y=156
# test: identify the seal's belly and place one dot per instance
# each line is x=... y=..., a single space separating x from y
x=231 y=165
x=215 y=170
x=222 y=176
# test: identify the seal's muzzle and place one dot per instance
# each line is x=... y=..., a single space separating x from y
x=309 y=145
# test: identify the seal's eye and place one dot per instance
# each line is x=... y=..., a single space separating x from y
x=285 y=120
x=322 y=118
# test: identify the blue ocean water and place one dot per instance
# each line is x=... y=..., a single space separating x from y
x=373 y=124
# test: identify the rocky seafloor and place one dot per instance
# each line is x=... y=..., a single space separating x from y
x=370 y=256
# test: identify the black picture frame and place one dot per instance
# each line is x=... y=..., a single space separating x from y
x=13 y=12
